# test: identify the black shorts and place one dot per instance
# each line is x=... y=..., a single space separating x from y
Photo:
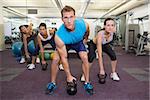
x=105 y=48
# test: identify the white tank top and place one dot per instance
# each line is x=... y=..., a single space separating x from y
x=104 y=41
x=45 y=39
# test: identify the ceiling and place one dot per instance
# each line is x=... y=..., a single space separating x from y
x=51 y=8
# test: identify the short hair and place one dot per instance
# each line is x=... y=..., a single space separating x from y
x=20 y=27
x=67 y=9
x=23 y=26
x=42 y=24
x=26 y=26
x=107 y=19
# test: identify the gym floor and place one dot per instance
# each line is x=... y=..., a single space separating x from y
x=18 y=83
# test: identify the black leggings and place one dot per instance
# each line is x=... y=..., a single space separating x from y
x=105 y=48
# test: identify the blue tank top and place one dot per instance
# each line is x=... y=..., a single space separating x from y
x=75 y=36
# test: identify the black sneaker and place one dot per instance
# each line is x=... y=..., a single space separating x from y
x=88 y=88
x=50 y=88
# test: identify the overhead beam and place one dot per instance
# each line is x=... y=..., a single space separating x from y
x=84 y=7
x=15 y=12
x=10 y=10
x=30 y=7
x=58 y=4
x=112 y=9
x=128 y=6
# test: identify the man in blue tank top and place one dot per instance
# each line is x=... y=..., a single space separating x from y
x=70 y=35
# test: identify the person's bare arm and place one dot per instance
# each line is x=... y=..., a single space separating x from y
x=41 y=48
x=99 y=49
x=25 y=46
x=61 y=48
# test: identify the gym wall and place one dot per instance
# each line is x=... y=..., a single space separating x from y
x=1 y=30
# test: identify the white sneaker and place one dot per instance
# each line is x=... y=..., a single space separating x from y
x=82 y=79
x=61 y=67
x=114 y=76
x=22 y=60
x=37 y=60
x=30 y=66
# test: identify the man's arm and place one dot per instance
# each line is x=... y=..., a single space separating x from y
x=61 y=48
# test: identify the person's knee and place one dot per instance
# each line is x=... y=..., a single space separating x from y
x=91 y=58
x=112 y=55
x=33 y=53
x=113 y=58
x=56 y=59
x=84 y=57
